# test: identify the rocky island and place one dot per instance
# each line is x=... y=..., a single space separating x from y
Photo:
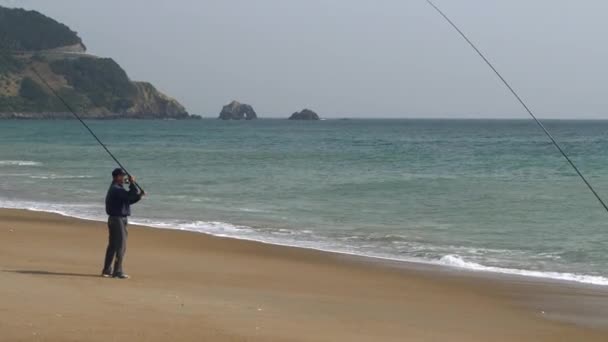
x=306 y=114
x=237 y=111
x=97 y=88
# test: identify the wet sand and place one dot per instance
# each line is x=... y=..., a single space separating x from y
x=193 y=287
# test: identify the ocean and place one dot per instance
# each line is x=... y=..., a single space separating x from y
x=485 y=195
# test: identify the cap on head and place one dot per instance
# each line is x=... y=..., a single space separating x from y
x=118 y=172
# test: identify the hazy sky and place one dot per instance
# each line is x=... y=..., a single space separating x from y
x=354 y=58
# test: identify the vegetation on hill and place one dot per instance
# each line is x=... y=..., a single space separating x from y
x=30 y=90
x=31 y=30
x=101 y=80
x=9 y=64
x=33 y=97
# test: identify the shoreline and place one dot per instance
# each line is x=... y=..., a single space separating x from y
x=41 y=257
x=482 y=270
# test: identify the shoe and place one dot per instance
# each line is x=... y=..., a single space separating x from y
x=120 y=276
x=106 y=274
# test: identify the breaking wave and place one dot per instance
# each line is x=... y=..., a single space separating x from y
x=458 y=262
x=19 y=163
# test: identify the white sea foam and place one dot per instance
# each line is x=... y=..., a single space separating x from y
x=54 y=176
x=19 y=163
x=279 y=237
x=251 y=210
x=458 y=262
x=85 y=210
x=213 y=228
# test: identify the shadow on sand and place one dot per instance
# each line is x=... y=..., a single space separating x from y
x=48 y=273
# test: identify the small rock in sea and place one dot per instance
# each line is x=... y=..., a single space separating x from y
x=306 y=114
x=238 y=111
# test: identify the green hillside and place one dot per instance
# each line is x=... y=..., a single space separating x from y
x=103 y=82
x=96 y=87
x=31 y=30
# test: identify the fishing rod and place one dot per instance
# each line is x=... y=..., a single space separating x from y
x=521 y=101
x=67 y=105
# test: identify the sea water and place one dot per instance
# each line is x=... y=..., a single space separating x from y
x=491 y=195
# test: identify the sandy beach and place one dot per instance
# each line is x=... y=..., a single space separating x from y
x=193 y=287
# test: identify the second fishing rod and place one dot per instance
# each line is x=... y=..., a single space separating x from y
x=521 y=101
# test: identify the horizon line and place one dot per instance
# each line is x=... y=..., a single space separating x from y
x=423 y=118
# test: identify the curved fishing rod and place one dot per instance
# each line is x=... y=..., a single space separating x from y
x=84 y=124
x=521 y=102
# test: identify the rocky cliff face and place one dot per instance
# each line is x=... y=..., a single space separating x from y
x=148 y=101
x=95 y=87
x=306 y=114
x=237 y=111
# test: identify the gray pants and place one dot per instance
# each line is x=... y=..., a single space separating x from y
x=117 y=244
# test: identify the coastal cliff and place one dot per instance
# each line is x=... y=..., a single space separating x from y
x=95 y=87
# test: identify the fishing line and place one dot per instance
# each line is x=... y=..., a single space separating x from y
x=83 y=123
x=555 y=143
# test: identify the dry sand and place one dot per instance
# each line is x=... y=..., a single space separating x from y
x=192 y=287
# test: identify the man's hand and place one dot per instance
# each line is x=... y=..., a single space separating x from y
x=131 y=179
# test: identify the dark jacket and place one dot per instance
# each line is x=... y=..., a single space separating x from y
x=119 y=200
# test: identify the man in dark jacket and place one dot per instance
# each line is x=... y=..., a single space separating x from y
x=118 y=208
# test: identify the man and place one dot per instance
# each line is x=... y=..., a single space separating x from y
x=118 y=208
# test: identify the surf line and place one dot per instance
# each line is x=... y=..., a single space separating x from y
x=71 y=110
x=521 y=101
